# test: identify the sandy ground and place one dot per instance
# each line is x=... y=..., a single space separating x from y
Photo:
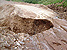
x=19 y=20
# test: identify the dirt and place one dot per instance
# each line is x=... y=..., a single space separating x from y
x=25 y=26
x=60 y=10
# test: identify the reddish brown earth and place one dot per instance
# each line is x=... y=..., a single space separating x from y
x=60 y=10
x=25 y=26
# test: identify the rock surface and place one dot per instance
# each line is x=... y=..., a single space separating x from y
x=46 y=31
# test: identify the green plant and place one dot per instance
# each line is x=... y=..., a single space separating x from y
x=64 y=4
x=45 y=2
x=15 y=0
x=8 y=0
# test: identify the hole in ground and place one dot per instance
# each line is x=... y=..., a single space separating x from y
x=31 y=26
x=28 y=25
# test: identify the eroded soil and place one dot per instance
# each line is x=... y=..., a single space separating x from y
x=18 y=21
x=27 y=25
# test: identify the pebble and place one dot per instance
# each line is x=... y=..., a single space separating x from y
x=26 y=47
x=17 y=43
x=25 y=39
x=22 y=47
x=28 y=39
x=21 y=42
x=15 y=48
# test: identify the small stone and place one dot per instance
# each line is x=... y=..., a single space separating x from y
x=15 y=48
x=28 y=39
x=25 y=38
x=21 y=42
x=26 y=47
x=17 y=43
x=22 y=47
